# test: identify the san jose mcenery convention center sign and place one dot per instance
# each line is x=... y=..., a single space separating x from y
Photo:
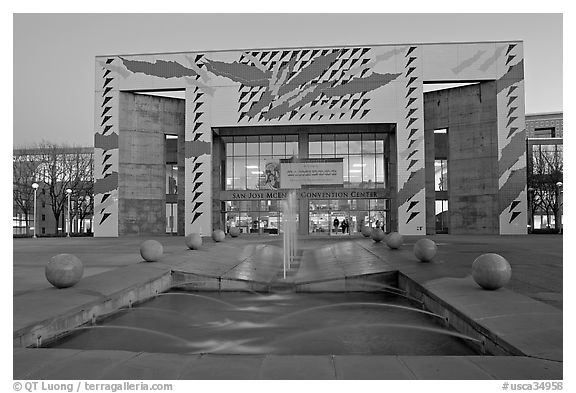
x=337 y=193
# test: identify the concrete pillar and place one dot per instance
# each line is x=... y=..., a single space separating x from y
x=303 y=203
x=198 y=162
x=144 y=120
x=430 y=186
x=181 y=181
x=411 y=205
x=392 y=180
x=512 y=193
x=217 y=176
x=469 y=114
x=106 y=120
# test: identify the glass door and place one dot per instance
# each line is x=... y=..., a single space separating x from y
x=171 y=218
x=341 y=222
x=319 y=222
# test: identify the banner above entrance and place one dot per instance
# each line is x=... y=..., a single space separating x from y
x=311 y=172
x=333 y=193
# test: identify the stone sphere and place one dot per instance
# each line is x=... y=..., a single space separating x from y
x=64 y=270
x=234 y=232
x=378 y=235
x=425 y=250
x=394 y=240
x=218 y=235
x=193 y=241
x=491 y=271
x=151 y=250
x=366 y=231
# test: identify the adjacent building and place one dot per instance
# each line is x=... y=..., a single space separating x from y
x=55 y=169
x=545 y=157
x=348 y=129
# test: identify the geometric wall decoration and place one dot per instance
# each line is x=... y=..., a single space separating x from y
x=314 y=84
x=106 y=151
x=198 y=159
x=410 y=145
x=511 y=141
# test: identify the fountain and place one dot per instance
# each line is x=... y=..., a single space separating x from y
x=306 y=324
x=366 y=318
x=289 y=211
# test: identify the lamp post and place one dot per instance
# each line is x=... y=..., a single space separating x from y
x=560 y=205
x=35 y=187
x=530 y=210
x=88 y=209
x=69 y=191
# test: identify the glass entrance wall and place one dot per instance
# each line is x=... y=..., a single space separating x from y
x=254 y=216
x=247 y=156
x=327 y=216
x=365 y=164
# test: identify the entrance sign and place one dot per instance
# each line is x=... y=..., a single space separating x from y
x=295 y=174
x=333 y=193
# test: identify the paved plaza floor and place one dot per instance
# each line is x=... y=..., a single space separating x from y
x=514 y=313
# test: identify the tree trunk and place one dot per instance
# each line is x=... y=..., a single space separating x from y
x=27 y=222
x=556 y=223
x=56 y=223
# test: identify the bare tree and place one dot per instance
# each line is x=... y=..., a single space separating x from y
x=63 y=167
x=23 y=176
x=83 y=193
x=544 y=172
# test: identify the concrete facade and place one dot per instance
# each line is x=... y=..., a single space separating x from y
x=469 y=115
x=315 y=87
x=144 y=122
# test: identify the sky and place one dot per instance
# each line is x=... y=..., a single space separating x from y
x=53 y=64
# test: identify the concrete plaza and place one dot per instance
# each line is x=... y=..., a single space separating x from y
x=525 y=318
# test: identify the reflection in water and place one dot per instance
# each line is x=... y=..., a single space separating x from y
x=380 y=326
x=155 y=310
x=182 y=341
x=354 y=304
x=291 y=323
x=200 y=296
x=230 y=324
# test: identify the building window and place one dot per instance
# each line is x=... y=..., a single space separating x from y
x=19 y=224
x=547 y=159
x=441 y=216
x=171 y=149
x=171 y=179
x=441 y=175
x=43 y=204
x=441 y=179
x=43 y=217
x=262 y=216
x=548 y=132
x=171 y=218
x=364 y=162
x=249 y=158
x=325 y=215
x=43 y=230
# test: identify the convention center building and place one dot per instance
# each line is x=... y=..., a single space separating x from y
x=349 y=129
